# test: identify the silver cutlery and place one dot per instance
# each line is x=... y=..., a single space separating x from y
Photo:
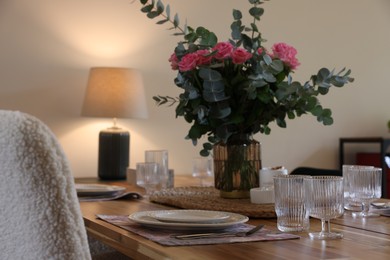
x=217 y=235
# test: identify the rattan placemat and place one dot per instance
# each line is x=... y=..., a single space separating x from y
x=207 y=198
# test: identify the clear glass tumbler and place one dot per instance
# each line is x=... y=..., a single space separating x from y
x=350 y=204
x=290 y=208
x=161 y=158
x=148 y=177
x=365 y=186
x=202 y=168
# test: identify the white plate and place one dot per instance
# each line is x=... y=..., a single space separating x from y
x=98 y=189
x=190 y=216
x=146 y=218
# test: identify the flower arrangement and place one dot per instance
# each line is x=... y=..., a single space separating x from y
x=238 y=86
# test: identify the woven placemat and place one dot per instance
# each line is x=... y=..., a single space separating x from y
x=207 y=198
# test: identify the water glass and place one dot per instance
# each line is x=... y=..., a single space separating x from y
x=161 y=158
x=324 y=198
x=289 y=203
x=350 y=204
x=148 y=177
x=202 y=168
x=365 y=185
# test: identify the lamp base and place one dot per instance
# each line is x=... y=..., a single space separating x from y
x=113 y=158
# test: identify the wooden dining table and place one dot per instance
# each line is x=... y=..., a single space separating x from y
x=363 y=238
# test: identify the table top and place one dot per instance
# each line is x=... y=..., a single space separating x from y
x=363 y=239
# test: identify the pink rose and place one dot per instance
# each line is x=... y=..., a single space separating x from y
x=260 y=50
x=240 y=55
x=174 y=61
x=188 y=62
x=224 y=49
x=202 y=59
x=286 y=53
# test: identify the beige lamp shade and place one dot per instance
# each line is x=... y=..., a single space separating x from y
x=115 y=93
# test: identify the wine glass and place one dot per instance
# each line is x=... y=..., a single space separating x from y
x=202 y=168
x=365 y=185
x=324 y=198
x=148 y=176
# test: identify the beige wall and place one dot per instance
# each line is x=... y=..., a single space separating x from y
x=48 y=46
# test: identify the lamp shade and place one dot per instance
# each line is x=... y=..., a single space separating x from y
x=115 y=93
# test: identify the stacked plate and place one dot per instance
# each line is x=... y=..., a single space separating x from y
x=92 y=190
x=188 y=219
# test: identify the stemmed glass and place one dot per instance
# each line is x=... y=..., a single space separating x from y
x=148 y=176
x=324 y=196
x=202 y=168
x=365 y=185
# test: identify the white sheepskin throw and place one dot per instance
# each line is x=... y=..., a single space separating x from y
x=40 y=216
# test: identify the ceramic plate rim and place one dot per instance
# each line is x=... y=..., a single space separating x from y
x=145 y=218
x=97 y=189
x=190 y=216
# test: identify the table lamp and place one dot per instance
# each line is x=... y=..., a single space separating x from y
x=114 y=93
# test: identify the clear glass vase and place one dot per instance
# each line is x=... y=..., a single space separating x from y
x=236 y=166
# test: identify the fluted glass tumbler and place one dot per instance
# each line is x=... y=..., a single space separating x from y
x=148 y=177
x=350 y=204
x=202 y=169
x=324 y=200
x=289 y=203
x=365 y=185
x=161 y=158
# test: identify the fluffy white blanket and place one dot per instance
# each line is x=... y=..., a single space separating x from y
x=40 y=216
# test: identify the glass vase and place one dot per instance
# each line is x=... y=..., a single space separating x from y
x=236 y=166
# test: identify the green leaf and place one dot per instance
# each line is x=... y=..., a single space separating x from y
x=236 y=30
x=311 y=102
x=327 y=121
x=220 y=110
x=259 y=83
x=143 y=2
x=204 y=152
x=152 y=14
x=256 y=12
x=237 y=15
x=322 y=75
x=317 y=110
x=277 y=66
x=208 y=146
x=266 y=130
x=147 y=9
x=191 y=37
x=281 y=123
x=176 y=20
x=247 y=41
x=214 y=91
x=168 y=11
x=160 y=7
x=209 y=74
x=254 y=27
x=267 y=59
x=269 y=77
x=210 y=40
x=162 y=21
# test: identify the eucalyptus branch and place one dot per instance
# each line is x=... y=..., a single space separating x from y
x=153 y=10
x=162 y=100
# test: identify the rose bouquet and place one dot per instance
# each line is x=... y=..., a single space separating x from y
x=238 y=86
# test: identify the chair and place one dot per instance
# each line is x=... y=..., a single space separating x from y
x=40 y=213
x=315 y=171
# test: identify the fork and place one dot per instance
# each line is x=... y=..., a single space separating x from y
x=217 y=235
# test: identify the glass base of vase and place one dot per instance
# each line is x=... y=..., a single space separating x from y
x=235 y=194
